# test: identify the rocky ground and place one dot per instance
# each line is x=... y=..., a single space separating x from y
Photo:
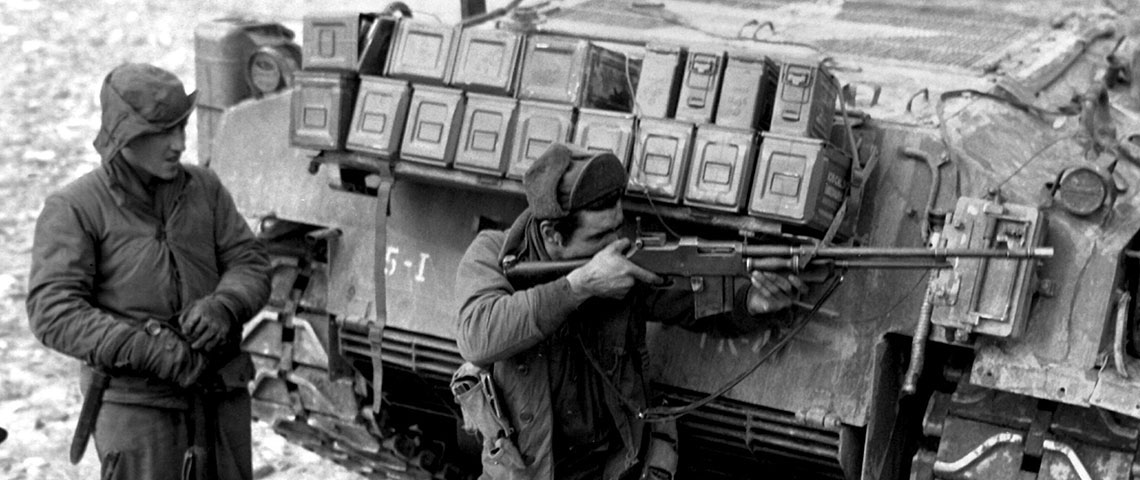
x=55 y=55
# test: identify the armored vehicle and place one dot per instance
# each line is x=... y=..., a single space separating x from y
x=370 y=151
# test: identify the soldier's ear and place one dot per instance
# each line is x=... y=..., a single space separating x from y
x=549 y=234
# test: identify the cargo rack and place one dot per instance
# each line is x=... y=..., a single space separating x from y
x=634 y=201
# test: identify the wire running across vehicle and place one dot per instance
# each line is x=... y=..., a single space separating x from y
x=668 y=414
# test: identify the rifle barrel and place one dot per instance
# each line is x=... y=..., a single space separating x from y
x=891 y=265
x=783 y=257
x=794 y=264
x=893 y=252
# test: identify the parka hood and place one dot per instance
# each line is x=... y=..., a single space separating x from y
x=138 y=99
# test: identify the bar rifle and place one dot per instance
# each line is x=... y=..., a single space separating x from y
x=693 y=257
x=696 y=257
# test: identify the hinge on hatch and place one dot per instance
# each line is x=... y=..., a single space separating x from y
x=819 y=418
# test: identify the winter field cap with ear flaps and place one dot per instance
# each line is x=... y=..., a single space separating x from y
x=565 y=179
x=138 y=99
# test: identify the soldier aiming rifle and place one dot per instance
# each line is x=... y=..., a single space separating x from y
x=554 y=382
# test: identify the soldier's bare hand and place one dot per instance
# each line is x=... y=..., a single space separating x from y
x=771 y=292
x=609 y=273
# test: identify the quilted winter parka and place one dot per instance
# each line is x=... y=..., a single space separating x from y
x=104 y=262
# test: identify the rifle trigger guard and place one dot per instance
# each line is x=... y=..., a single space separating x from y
x=634 y=247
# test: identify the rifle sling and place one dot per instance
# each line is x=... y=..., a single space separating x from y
x=630 y=404
x=198 y=462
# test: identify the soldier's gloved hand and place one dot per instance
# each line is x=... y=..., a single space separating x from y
x=206 y=323
x=609 y=273
x=771 y=292
x=160 y=353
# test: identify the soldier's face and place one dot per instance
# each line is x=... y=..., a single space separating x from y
x=158 y=153
x=596 y=229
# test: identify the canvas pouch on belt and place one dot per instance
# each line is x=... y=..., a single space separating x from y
x=484 y=413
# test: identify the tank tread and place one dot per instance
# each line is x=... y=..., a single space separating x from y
x=295 y=392
x=376 y=465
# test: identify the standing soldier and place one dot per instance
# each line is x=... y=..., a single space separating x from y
x=567 y=356
x=144 y=270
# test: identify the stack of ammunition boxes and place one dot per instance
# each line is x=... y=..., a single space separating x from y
x=735 y=131
x=564 y=81
x=478 y=100
x=423 y=54
x=486 y=68
x=337 y=50
x=730 y=131
x=800 y=177
x=700 y=108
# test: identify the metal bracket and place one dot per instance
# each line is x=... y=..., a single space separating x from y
x=1035 y=438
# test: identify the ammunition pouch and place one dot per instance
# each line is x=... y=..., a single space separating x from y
x=484 y=413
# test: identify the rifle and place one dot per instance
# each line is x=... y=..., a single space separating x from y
x=692 y=257
x=198 y=462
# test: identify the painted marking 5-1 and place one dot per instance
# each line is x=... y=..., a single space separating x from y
x=392 y=261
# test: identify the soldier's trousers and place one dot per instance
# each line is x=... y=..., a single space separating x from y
x=137 y=442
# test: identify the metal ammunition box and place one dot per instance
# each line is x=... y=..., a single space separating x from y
x=539 y=125
x=704 y=70
x=605 y=131
x=989 y=296
x=805 y=101
x=432 y=130
x=422 y=52
x=661 y=158
x=347 y=42
x=321 y=109
x=747 y=92
x=799 y=181
x=484 y=139
x=720 y=172
x=221 y=50
x=378 y=119
x=661 y=73
x=486 y=61
x=578 y=73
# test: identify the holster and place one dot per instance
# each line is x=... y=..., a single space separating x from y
x=484 y=413
x=88 y=414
